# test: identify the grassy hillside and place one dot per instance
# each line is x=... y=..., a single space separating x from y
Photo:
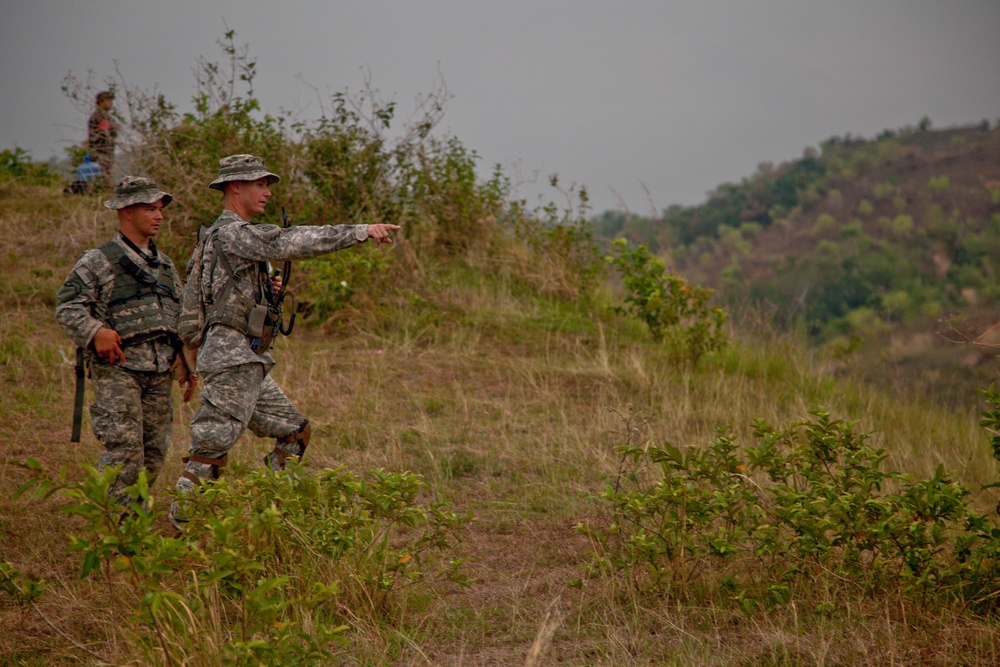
x=509 y=399
x=883 y=248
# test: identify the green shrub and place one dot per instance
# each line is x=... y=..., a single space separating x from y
x=825 y=223
x=751 y=230
x=898 y=303
x=329 y=282
x=17 y=166
x=865 y=321
x=564 y=241
x=938 y=183
x=674 y=311
x=852 y=230
x=883 y=190
x=347 y=166
x=902 y=225
x=733 y=241
x=272 y=569
x=449 y=205
x=808 y=501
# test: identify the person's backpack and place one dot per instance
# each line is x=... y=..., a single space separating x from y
x=192 y=322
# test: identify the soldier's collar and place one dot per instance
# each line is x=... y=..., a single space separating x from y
x=152 y=258
x=231 y=216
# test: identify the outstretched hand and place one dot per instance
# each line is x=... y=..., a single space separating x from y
x=380 y=232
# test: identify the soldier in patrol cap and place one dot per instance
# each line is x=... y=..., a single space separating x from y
x=229 y=274
x=120 y=303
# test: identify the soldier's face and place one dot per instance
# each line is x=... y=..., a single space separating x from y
x=253 y=195
x=143 y=219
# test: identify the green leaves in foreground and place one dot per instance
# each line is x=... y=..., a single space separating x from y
x=271 y=567
x=807 y=503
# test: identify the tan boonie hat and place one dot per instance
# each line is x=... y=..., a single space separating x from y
x=242 y=168
x=137 y=190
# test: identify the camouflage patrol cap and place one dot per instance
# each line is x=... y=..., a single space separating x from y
x=242 y=168
x=137 y=190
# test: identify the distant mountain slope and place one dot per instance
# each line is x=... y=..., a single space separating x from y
x=861 y=240
x=859 y=224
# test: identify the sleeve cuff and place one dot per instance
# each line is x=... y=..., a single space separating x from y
x=90 y=335
x=361 y=233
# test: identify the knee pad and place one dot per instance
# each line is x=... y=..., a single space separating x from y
x=293 y=444
x=216 y=466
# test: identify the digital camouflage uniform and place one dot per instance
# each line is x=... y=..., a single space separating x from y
x=238 y=391
x=131 y=414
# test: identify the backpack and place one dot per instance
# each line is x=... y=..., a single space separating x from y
x=198 y=312
x=192 y=322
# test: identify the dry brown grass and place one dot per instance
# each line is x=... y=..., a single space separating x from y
x=507 y=407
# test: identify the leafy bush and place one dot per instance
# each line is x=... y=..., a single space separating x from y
x=562 y=242
x=449 y=205
x=673 y=311
x=17 y=166
x=938 y=183
x=329 y=282
x=808 y=501
x=272 y=569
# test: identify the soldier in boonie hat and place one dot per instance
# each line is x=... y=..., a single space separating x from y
x=132 y=190
x=233 y=312
x=120 y=304
x=242 y=167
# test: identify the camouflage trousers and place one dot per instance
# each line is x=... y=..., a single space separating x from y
x=131 y=416
x=233 y=400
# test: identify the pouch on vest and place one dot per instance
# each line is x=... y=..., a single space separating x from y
x=262 y=326
x=257 y=321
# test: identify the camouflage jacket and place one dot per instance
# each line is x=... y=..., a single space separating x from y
x=246 y=245
x=82 y=308
x=101 y=132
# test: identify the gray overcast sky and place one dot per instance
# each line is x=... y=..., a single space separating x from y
x=676 y=96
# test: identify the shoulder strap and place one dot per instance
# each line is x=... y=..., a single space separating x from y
x=218 y=256
x=117 y=256
x=112 y=251
x=120 y=262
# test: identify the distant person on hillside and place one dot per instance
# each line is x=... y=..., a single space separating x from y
x=102 y=130
x=120 y=303
x=228 y=309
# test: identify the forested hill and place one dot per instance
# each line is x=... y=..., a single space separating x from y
x=858 y=240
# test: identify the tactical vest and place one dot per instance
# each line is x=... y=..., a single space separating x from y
x=237 y=313
x=141 y=304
